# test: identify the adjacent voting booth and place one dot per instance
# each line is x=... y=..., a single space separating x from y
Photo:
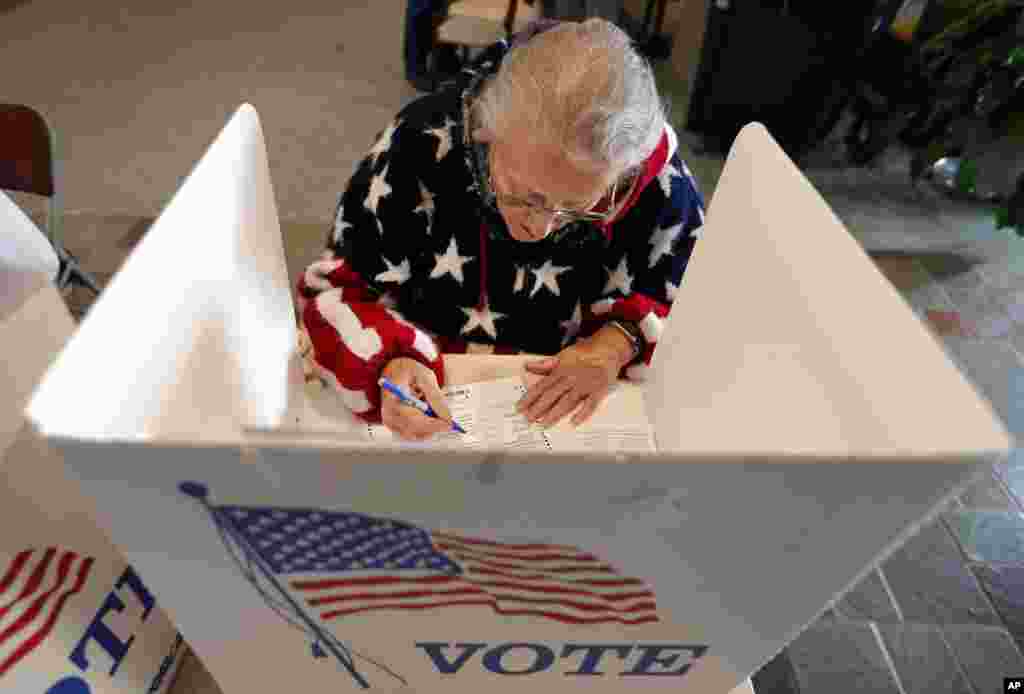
x=75 y=618
x=786 y=399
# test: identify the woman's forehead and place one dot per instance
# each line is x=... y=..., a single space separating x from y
x=546 y=171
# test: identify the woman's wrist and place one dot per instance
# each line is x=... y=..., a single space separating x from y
x=617 y=342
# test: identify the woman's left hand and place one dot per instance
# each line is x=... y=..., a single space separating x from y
x=580 y=374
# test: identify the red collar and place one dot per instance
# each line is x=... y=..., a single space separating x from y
x=652 y=167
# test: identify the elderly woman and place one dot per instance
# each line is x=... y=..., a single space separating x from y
x=534 y=204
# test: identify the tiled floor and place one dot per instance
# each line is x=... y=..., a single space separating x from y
x=946 y=612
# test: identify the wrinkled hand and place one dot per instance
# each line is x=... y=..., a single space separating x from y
x=417 y=380
x=579 y=376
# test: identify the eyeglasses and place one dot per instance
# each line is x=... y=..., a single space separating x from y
x=556 y=217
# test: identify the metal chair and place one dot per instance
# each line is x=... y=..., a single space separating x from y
x=29 y=163
x=481 y=23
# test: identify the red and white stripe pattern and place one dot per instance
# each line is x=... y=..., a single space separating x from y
x=35 y=587
x=555 y=582
x=354 y=334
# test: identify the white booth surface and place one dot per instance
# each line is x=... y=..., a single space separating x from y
x=790 y=456
x=27 y=260
x=75 y=618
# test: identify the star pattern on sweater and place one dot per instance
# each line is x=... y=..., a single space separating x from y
x=665 y=177
x=379 y=188
x=450 y=263
x=443 y=133
x=663 y=241
x=571 y=327
x=426 y=206
x=395 y=273
x=340 y=226
x=520 y=280
x=619 y=279
x=383 y=143
x=547 y=276
x=481 y=317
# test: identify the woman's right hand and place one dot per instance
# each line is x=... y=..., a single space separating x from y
x=405 y=421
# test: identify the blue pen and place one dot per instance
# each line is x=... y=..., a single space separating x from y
x=414 y=402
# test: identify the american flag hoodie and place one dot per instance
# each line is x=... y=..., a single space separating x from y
x=419 y=261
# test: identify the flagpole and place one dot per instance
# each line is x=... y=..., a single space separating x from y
x=200 y=493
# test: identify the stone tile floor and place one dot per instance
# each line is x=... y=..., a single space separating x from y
x=944 y=613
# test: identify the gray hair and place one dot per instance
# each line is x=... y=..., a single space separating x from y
x=580 y=87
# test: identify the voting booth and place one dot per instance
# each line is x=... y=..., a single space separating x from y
x=75 y=618
x=790 y=453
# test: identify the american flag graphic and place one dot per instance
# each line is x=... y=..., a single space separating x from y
x=35 y=587
x=341 y=564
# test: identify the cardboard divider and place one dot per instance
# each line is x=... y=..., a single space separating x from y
x=75 y=616
x=193 y=449
x=784 y=322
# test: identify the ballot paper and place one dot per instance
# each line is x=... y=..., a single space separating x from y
x=487 y=412
x=485 y=409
